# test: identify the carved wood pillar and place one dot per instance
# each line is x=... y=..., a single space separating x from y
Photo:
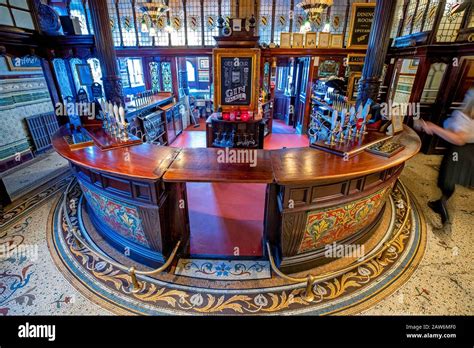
x=106 y=52
x=369 y=84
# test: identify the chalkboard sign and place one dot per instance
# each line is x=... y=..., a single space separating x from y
x=361 y=23
x=24 y=63
x=236 y=76
x=236 y=81
x=96 y=89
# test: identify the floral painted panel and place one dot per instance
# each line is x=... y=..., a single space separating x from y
x=336 y=223
x=119 y=217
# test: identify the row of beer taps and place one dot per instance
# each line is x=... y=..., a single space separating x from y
x=347 y=124
x=113 y=120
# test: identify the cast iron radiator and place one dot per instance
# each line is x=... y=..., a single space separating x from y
x=41 y=128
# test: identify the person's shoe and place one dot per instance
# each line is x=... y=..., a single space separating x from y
x=439 y=208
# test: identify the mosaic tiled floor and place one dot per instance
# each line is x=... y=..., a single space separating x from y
x=441 y=284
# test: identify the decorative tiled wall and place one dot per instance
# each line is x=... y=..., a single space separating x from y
x=22 y=94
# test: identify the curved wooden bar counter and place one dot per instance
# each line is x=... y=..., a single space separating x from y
x=135 y=195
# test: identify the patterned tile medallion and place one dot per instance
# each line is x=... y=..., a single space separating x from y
x=350 y=292
x=223 y=269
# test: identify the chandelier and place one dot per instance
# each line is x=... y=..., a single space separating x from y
x=314 y=8
x=151 y=13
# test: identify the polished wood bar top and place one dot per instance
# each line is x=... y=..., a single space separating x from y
x=284 y=166
x=202 y=165
x=144 y=161
x=299 y=165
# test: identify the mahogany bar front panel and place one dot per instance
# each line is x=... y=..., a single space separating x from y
x=127 y=202
x=136 y=196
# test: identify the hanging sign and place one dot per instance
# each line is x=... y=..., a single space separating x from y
x=361 y=23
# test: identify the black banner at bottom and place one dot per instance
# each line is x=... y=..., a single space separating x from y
x=239 y=331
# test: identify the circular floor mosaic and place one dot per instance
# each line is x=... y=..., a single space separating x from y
x=350 y=292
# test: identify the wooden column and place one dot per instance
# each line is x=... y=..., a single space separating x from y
x=106 y=52
x=369 y=84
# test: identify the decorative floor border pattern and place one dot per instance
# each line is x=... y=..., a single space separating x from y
x=347 y=293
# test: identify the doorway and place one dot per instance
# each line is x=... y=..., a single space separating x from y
x=292 y=76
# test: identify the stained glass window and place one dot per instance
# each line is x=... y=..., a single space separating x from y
x=193 y=8
x=397 y=19
x=430 y=15
x=420 y=11
x=166 y=76
x=143 y=27
x=282 y=19
x=76 y=9
x=162 y=37
x=113 y=22
x=62 y=77
x=226 y=10
x=155 y=76
x=410 y=13
x=265 y=22
x=177 y=22
x=299 y=17
x=127 y=23
x=338 y=15
x=450 y=23
x=211 y=13
x=471 y=21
